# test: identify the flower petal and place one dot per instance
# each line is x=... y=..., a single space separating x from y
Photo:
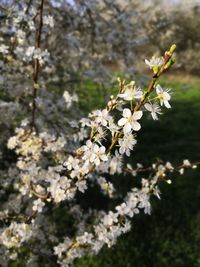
x=159 y=89
x=122 y=121
x=126 y=113
x=102 y=149
x=167 y=105
x=154 y=116
x=137 y=115
x=136 y=126
x=148 y=107
x=127 y=128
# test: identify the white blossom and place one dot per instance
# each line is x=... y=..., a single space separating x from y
x=126 y=144
x=129 y=120
x=155 y=62
x=101 y=116
x=15 y=234
x=123 y=209
x=154 y=109
x=186 y=163
x=69 y=99
x=48 y=20
x=93 y=153
x=38 y=205
x=164 y=96
x=85 y=238
x=4 y=49
x=131 y=93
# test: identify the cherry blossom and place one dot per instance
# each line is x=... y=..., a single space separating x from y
x=154 y=109
x=154 y=62
x=130 y=120
x=164 y=96
x=101 y=116
x=131 y=92
x=38 y=205
x=126 y=144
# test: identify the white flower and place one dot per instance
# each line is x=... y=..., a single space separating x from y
x=93 y=153
x=38 y=205
x=21 y=36
x=126 y=144
x=154 y=62
x=15 y=234
x=112 y=126
x=107 y=187
x=12 y=142
x=71 y=163
x=130 y=120
x=110 y=218
x=100 y=134
x=153 y=108
x=186 y=163
x=4 y=49
x=169 y=166
x=58 y=250
x=85 y=238
x=81 y=185
x=131 y=93
x=164 y=96
x=101 y=116
x=115 y=164
x=41 y=55
x=48 y=20
x=29 y=53
x=123 y=209
x=69 y=98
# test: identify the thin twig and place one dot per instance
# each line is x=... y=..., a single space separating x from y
x=36 y=64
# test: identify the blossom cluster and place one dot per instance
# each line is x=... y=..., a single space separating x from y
x=58 y=155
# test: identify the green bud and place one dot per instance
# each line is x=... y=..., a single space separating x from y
x=172 y=48
x=169 y=63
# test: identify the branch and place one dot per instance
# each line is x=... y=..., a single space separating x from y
x=36 y=64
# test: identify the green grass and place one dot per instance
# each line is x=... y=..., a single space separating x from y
x=171 y=235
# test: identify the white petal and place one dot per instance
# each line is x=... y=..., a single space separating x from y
x=127 y=128
x=166 y=96
x=104 y=157
x=126 y=113
x=97 y=161
x=137 y=115
x=147 y=62
x=102 y=149
x=96 y=148
x=136 y=126
x=167 y=105
x=121 y=95
x=104 y=112
x=158 y=89
x=148 y=107
x=121 y=150
x=104 y=122
x=154 y=116
x=89 y=143
x=138 y=94
x=122 y=121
